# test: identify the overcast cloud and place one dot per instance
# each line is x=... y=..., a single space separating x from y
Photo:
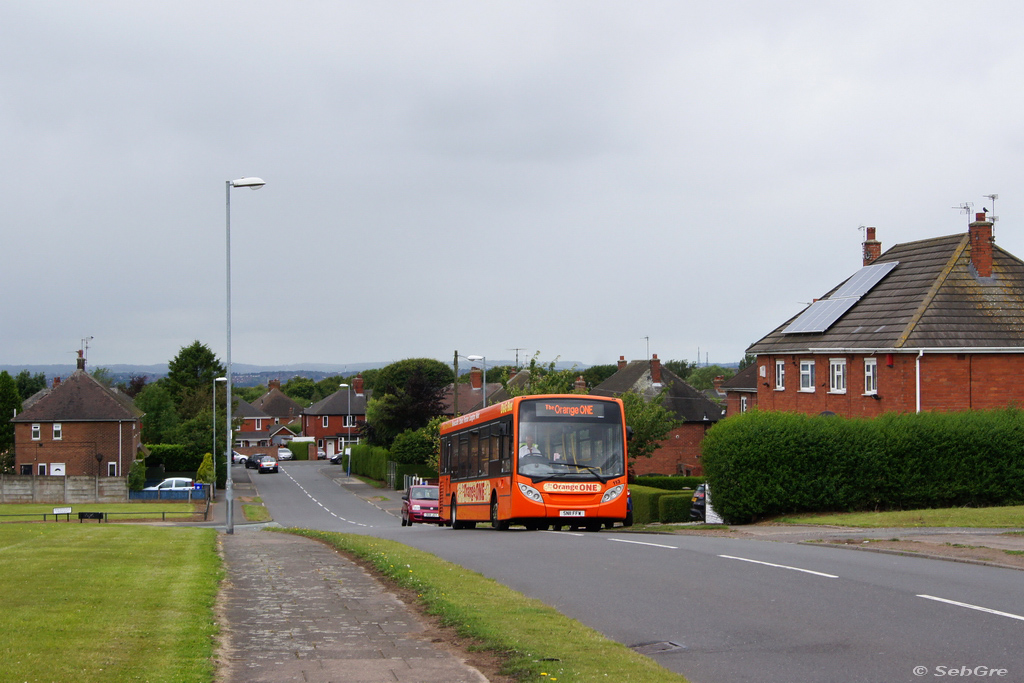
x=563 y=177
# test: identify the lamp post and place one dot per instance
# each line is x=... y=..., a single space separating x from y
x=213 y=453
x=484 y=359
x=348 y=419
x=253 y=184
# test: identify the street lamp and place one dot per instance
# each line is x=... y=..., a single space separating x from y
x=254 y=184
x=348 y=419
x=484 y=359
x=213 y=453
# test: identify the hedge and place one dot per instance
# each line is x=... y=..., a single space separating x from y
x=674 y=507
x=173 y=457
x=370 y=461
x=768 y=463
x=669 y=483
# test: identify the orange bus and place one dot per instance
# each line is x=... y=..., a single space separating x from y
x=537 y=461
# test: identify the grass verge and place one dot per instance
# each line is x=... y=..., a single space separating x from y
x=536 y=642
x=255 y=513
x=994 y=517
x=107 y=603
x=23 y=512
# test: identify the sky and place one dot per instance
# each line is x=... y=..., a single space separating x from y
x=579 y=179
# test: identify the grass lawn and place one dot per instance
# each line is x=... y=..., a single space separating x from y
x=23 y=512
x=994 y=517
x=107 y=603
x=537 y=642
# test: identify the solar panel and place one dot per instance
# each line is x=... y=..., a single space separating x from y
x=822 y=314
x=864 y=279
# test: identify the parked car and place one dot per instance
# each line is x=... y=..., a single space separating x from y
x=321 y=454
x=253 y=461
x=172 y=484
x=698 y=504
x=267 y=463
x=337 y=458
x=237 y=457
x=285 y=454
x=419 y=504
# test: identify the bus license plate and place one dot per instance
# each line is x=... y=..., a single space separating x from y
x=572 y=513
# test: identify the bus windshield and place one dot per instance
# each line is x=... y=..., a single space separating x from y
x=570 y=439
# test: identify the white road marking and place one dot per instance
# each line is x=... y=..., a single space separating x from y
x=780 y=566
x=310 y=496
x=656 y=545
x=975 y=607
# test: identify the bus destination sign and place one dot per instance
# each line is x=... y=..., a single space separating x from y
x=582 y=409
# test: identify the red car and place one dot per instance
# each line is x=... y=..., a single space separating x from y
x=419 y=504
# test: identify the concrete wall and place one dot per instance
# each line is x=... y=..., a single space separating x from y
x=70 y=489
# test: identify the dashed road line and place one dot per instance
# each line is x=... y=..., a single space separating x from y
x=331 y=512
x=1008 y=615
x=780 y=566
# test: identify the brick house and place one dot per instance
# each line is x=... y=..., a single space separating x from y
x=470 y=395
x=254 y=430
x=932 y=325
x=679 y=452
x=278 y=405
x=740 y=391
x=77 y=427
x=335 y=421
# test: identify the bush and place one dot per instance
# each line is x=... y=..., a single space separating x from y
x=205 y=473
x=173 y=457
x=412 y=447
x=645 y=504
x=767 y=463
x=137 y=475
x=674 y=508
x=370 y=461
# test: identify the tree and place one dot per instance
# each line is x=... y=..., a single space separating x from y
x=650 y=422
x=407 y=395
x=137 y=475
x=704 y=378
x=136 y=383
x=301 y=389
x=680 y=368
x=104 y=376
x=10 y=404
x=29 y=384
x=545 y=379
x=596 y=374
x=748 y=360
x=205 y=473
x=191 y=373
x=161 y=417
x=412 y=447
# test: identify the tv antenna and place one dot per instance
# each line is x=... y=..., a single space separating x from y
x=965 y=208
x=85 y=347
x=648 y=347
x=517 y=350
x=992 y=214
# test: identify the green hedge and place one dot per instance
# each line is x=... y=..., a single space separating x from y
x=767 y=463
x=669 y=483
x=674 y=507
x=370 y=461
x=645 y=503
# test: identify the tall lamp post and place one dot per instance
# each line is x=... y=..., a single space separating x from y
x=484 y=359
x=348 y=420
x=213 y=453
x=253 y=184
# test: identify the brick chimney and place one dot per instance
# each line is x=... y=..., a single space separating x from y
x=357 y=384
x=476 y=378
x=981 y=245
x=655 y=370
x=274 y=384
x=622 y=362
x=580 y=384
x=717 y=382
x=81 y=359
x=56 y=382
x=872 y=247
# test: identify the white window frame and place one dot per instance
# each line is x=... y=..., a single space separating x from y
x=36 y=431
x=837 y=375
x=58 y=431
x=780 y=375
x=259 y=424
x=112 y=469
x=807 y=375
x=42 y=469
x=324 y=419
x=743 y=404
x=350 y=421
x=870 y=376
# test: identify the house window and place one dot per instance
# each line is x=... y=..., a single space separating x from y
x=111 y=469
x=743 y=404
x=58 y=433
x=837 y=375
x=35 y=432
x=780 y=375
x=870 y=375
x=325 y=421
x=350 y=420
x=259 y=425
x=42 y=470
x=320 y=443
x=807 y=375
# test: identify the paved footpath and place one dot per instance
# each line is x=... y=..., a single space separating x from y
x=295 y=610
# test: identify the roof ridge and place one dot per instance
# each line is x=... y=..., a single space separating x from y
x=930 y=296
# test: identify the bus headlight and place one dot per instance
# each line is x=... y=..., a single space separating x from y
x=532 y=493
x=611 y=494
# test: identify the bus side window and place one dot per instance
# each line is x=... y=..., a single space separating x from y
x=506 y=447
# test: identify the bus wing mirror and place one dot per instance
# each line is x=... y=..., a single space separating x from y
x=629 y=433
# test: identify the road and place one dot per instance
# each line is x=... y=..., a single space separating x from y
x=720 y=610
